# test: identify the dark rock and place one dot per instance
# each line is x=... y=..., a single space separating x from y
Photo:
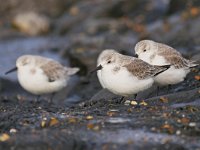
x=178 y=5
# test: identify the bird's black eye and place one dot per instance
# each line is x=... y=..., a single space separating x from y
x=144 y=50
x=109 y=62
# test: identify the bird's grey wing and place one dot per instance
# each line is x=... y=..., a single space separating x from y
x=167 y=50
x=143 y=70
x=53 y=70
x=172 y=56
x=177 y=61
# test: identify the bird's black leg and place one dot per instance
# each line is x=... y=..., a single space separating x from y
x=169 y=88
x=51 y=98
x=135 y=96
x=121 y=100
x=157 y=91
x=38 y=98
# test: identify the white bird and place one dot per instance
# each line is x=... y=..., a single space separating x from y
x=39 y=75
x=156 y=53
x=124 y=75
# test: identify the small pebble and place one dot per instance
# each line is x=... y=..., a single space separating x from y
x=127 y=102
x=44 y=118
x=89 y=117
x=178 y=132
x=13 y=130
x=43 y=123
x=53 y=121
x=4 y=137
x=143 y=103
x=134 y=103
x=192 y=124
x=114 y=110
x=153 y=129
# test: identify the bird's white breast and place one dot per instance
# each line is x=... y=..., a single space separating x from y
x=123 y=82
x=32 y=79
x=100 y=78
x=171 y=75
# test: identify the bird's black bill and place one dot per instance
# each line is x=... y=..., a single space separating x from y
x=11 y=70
x=96 y=69
x=136 y=55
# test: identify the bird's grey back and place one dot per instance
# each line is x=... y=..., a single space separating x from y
x=174 y=57
x=52 y=69
x=138 y=67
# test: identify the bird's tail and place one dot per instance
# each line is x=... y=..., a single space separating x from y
x=71 y=71
x=192 y=64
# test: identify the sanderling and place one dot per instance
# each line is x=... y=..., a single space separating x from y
x=156 y=53
x=39 y=75
x=125 y=75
